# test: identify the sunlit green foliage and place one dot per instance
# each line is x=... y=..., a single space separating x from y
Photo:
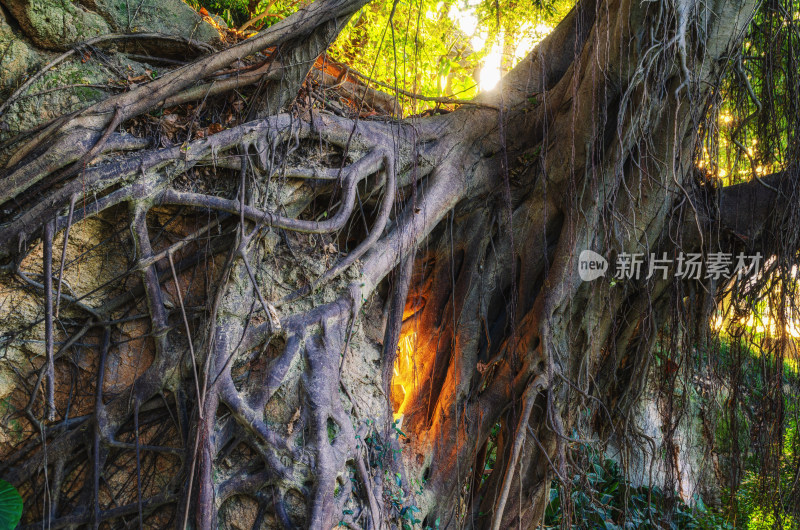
x=765 y=497
x=757 y=504
x=765 y=501
x=445 y=48
x=453 y=48
x=449 y=48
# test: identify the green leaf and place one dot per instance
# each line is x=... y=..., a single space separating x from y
x=700 y=505
x=10 y=506
x=612 y=487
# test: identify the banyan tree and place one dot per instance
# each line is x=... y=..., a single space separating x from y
x=239 y=275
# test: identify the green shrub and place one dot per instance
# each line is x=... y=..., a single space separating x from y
x=603 y=498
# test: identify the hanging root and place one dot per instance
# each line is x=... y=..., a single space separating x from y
x=48 y=323
x=528 y=398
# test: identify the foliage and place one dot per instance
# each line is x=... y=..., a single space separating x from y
x=236 y=12
x=10 y=506
x=443 y=48
x=760 y=500
x=603 y=498
x=491 y=453
x=751 y=130
x=383 y=454
x=763 y=499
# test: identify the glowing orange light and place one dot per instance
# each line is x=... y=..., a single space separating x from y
x=403 y=381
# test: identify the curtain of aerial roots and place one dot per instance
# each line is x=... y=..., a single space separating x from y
x=754 y=323
x=502 y=336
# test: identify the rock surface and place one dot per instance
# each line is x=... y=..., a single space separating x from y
x=53 y=24
x=161 y=16
x=58 y=24
x=16 y=56
x=33 y=32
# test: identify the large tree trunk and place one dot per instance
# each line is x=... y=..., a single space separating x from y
x=462 y=233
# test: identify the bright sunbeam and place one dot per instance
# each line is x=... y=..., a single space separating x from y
x=490 y=72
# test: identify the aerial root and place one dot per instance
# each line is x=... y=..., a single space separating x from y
x=269 y=70
x=43 y=371
x=374 y=512
x=277 y=370
x=250 y=420
x=354 y=174
x=100 y=426
x=144 y=183
x=115 y=122
x=528 y=398
x=74 y=302
x=72 y=201
x=200 y=396
x=47 y=256
x=269 y=309
x=143 y=176
x=373 y=236
x=333 y=449
x=28 y=168
x=150 y=278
